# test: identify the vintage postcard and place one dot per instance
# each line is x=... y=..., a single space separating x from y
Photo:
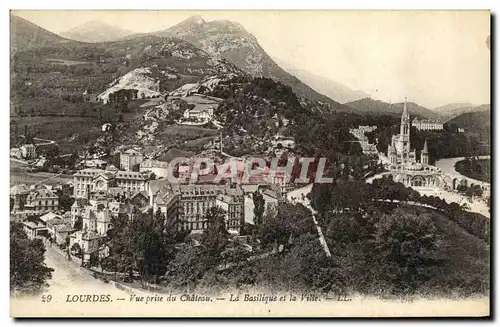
x=250 y=163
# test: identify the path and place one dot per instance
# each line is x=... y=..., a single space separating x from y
x=300 y=196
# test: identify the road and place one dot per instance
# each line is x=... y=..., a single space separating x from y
x=68 y=277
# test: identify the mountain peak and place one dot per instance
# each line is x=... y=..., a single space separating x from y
x=96 y=31
x=197 y=19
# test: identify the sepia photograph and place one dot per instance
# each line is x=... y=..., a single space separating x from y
x=169 y=163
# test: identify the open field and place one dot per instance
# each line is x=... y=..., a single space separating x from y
x=19 y=175
x=187 y=132
x=176 y=153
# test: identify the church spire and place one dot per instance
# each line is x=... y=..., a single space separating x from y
x=425 y=150
x=405 y=120
x=406 y=114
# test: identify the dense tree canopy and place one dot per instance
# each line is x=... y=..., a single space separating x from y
x=28 y=271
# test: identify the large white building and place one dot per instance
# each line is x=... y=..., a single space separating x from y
x=199 y=113
x=89 y=180
x=428 y=124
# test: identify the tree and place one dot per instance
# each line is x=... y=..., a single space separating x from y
x=403 y=245
x=65 y=202
x=76 y=250
x=28 y=271
x=236 y=254
x=78 y=223
x=287 y=222
x=215 y=238
x=259 y=206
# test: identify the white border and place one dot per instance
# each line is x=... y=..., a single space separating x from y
x=185 y=4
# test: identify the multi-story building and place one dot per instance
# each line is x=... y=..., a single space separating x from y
x=129 y=159
x=428 y=124
x=159 y=168
x=42 y=200
x=90 y=180
x=190 y=202
x=199 y=113
x=28 y=151
x=233 y=205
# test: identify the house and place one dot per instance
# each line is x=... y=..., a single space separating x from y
x=34 y=230
x=57 y=228
x=50 y=216
x=89 y=242
x=129 y=159
x=41 y=200
x=28 y=151
x=16 y=153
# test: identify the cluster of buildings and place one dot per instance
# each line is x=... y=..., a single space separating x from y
x=101 y=193
x=359 y=133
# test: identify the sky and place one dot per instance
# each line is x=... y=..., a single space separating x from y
x=431 y=57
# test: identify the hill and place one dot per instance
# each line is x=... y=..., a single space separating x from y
x=229 y=40
x=96 y=31
x=475 y=122
x=455 y=110
x=25 y=35
x=375 y=106
x=334 y=90
x=54 y=79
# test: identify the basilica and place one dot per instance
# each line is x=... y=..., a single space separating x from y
x=403 y=164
